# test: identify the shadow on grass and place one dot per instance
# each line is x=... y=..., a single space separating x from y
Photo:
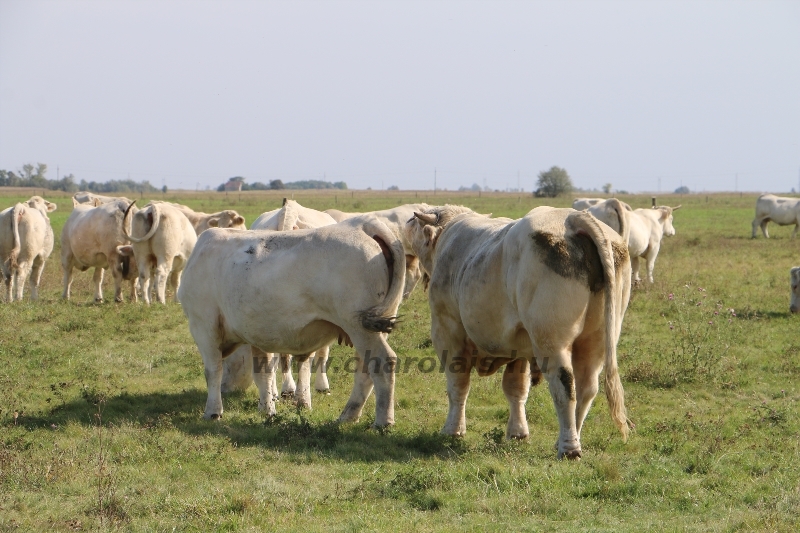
x=291 y=431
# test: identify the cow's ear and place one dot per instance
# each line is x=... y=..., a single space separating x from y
x=213 y=222
x=676 y=208
x=430 y=234
x=51 y=206
x=75 y=203
x=238 y=219
x=96 y=202
x=125 y=250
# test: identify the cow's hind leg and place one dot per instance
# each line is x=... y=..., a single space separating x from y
x=36 y=277
x=764 y=228
x=516 y=384
x=7 y=281
x=587 y=362
x=379 y=363
x=97 y=279
x=68 y=277
x=320 y=368
x=362 y=387
x=302 y=392
x=264 y=377
x=208 y=343
x=288 y=385
x=163 y=271
x=20 y=278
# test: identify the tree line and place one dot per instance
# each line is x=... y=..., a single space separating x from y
x=36 y=176
x=279 y=184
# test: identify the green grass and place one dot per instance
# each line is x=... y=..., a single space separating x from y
x=101 y=404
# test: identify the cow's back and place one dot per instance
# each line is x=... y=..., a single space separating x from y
x=782 y=211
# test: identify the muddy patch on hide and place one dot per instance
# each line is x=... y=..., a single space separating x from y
x=573 y=258
x=620 y=252
x=567 y=379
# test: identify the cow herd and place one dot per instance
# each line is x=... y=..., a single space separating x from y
x=542 y=297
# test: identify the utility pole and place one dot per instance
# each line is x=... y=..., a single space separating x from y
x=518 y=187
x=737 y=183
x=434 y=180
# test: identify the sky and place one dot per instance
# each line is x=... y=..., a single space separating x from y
x=644 y=95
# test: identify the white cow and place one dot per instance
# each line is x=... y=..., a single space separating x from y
x=236 y=372
x=95 y=200
x=395 y=219
x=582 y=204
x=545 y=294
x=89 y=239
x=266 y=289
x=26 y=242
x=202 y=221
x=165 y=242
x=647 y=228
x=292 y=215
x=794 y=279
x=782 y=211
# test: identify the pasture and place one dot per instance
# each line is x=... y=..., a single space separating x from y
x=101 y=405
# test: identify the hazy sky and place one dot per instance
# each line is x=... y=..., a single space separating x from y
x=639 y=94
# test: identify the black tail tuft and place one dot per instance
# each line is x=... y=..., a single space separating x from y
x=371 y=320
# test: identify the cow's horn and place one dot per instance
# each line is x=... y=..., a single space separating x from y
x=679 y=206
x=427 y=218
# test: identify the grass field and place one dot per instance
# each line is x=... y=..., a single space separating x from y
x=101 y=405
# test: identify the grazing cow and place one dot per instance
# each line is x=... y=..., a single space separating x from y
x=544 y=294
x=202 y=221
x=266 y=289
x=647 y=228
x=26 y=241
x=89 y=239
x=166 y=241
x=95 y=200
x=582 y=204
x=782 y=211
x=794 y=278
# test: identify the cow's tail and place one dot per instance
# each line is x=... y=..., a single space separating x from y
x=612 y=257
x=382 y=317
x=153 y=227
x=16 y=245
x=288 y=215
x=622 y=217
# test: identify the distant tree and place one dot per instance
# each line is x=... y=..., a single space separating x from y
x=607 y=188
x=393 y=188
x=164 y=189
x=553 y=182
x=276 y=184
x=683 y=189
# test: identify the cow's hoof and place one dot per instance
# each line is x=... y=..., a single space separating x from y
x=287 y=394
x=98 y=300
x=572 y=455
x=326 y=391
x=518 y=436
x=213 y=416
